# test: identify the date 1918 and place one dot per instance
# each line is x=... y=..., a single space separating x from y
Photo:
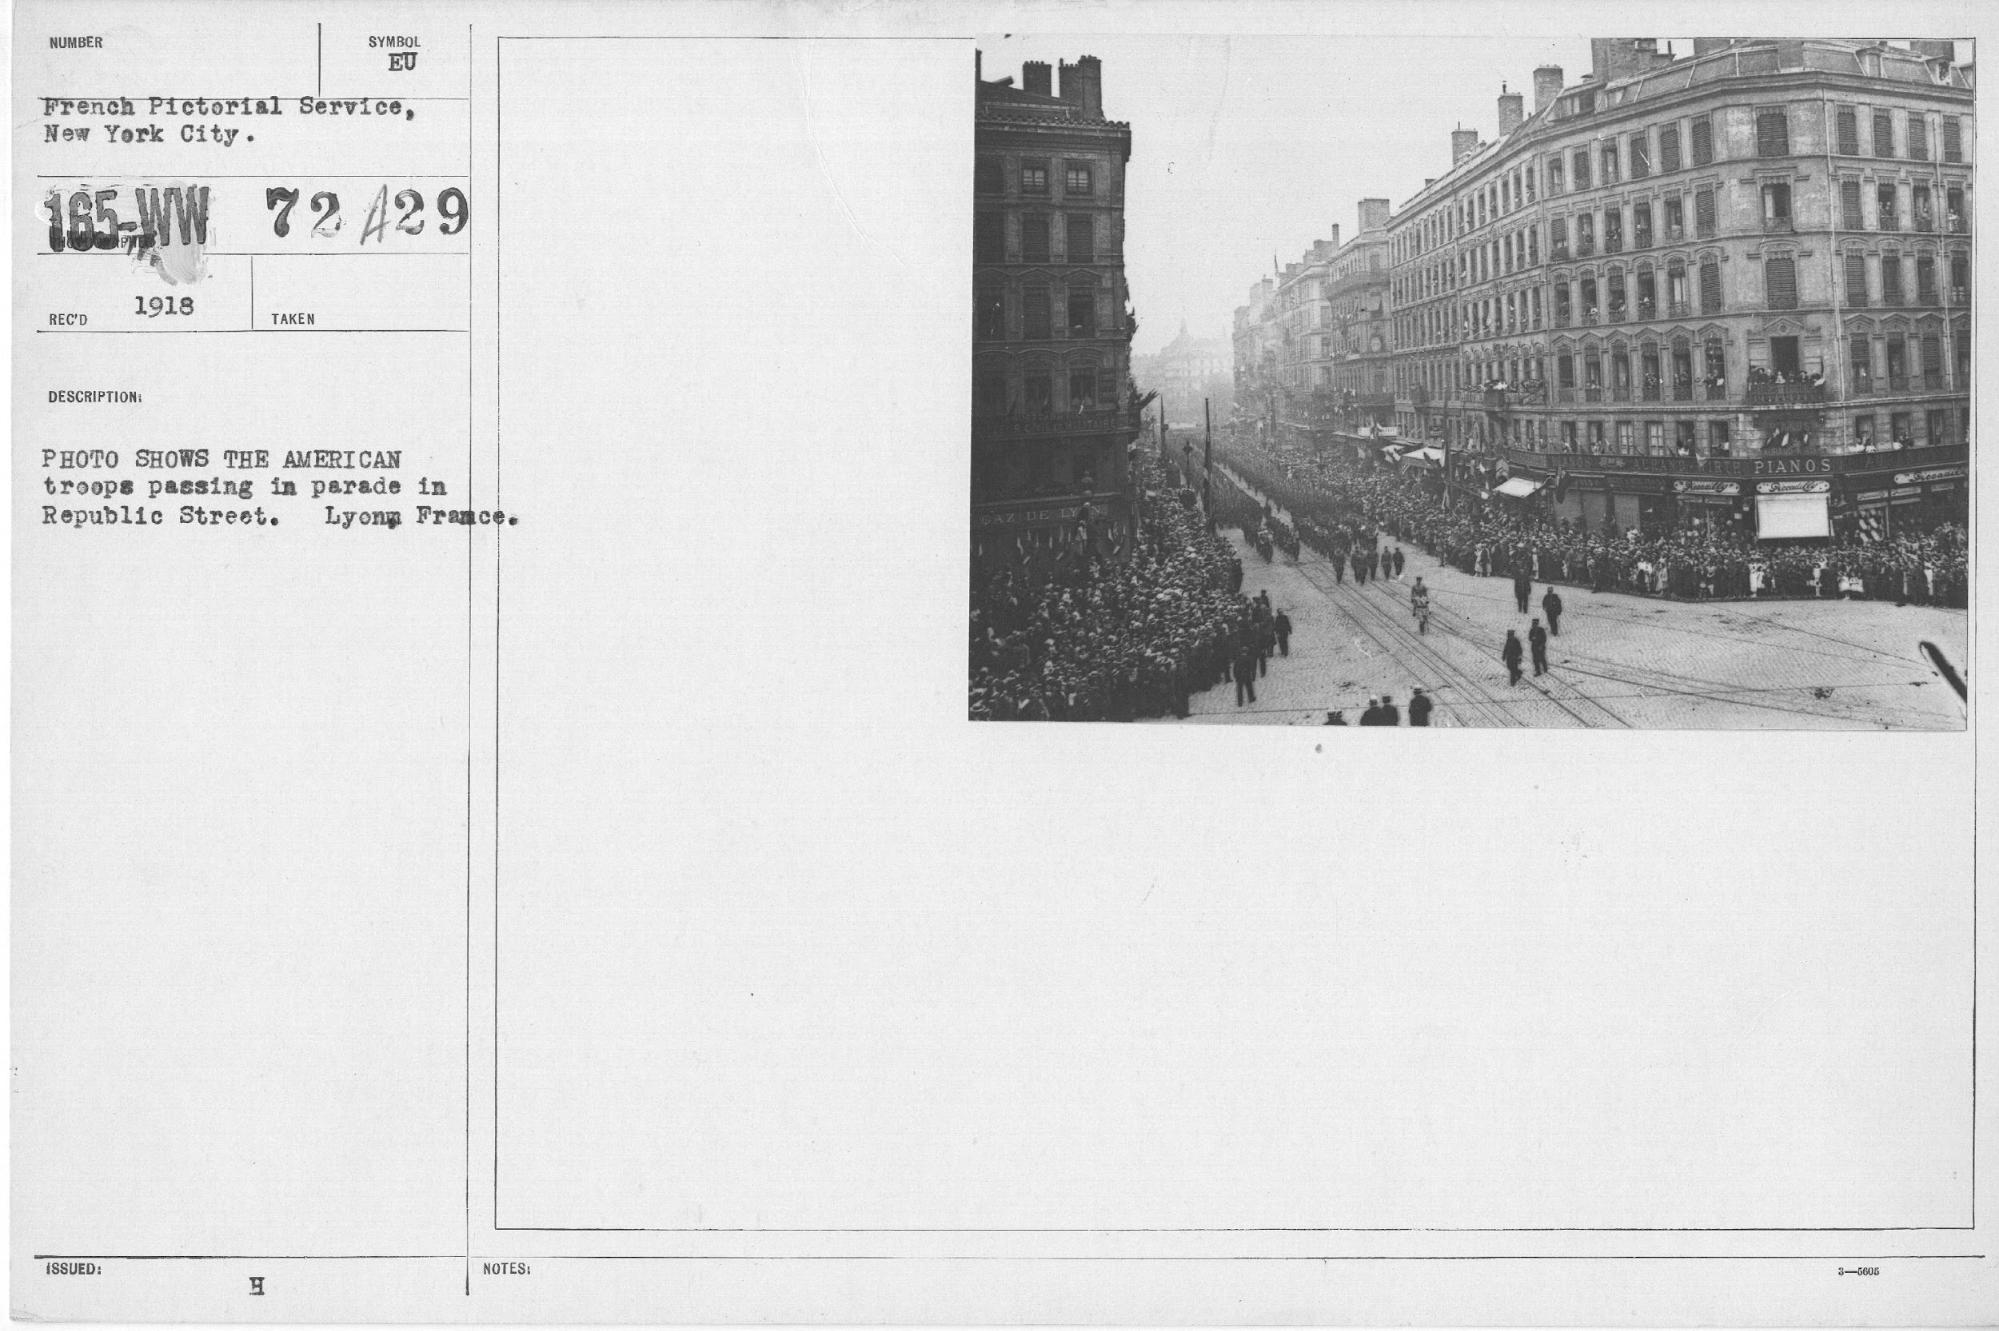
x=152 y=307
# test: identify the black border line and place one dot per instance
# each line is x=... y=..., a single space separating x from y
x=498 y=454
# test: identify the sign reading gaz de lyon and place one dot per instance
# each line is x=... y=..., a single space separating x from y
x=1929 y=474
x=1707 y=487
x=1792 y=487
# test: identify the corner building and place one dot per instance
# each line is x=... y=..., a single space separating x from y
x=1707 y=286
x=1052 y=415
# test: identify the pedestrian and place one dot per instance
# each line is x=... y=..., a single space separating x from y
x=1510 y=653
x=1551 y=605
x=1359 y=569
x=1537 y=639
x=1419 y=604
x=1266 y=642
x=1382 y=562
x=1398 y=561
x=1523 y=587
x=1391 y=715
x=1336 y=718
x=1245 y=673
x=1339 y=570
x=1283 y=626
x=1419 y=708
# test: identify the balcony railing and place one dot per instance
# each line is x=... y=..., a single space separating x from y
x=1593 y=393
x=1585 y=248
x=1714 y=390
x=1675 y=234
x=1617 y=314
x=1783 y=395
x=1898 y=383
x=1777 y=225
x=1590 y=317
x=1562 y=318
x=1683 y=390
x=1565 y=396
x=1887 y=223
x=1650 y=391
x=1620 y=392
x=1558 y=252
x=1647 y=309
x=1678 y=309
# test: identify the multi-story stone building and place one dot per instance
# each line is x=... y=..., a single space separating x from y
x=1191 y=375
x=1052 y=416
x=1715 y=285
x=1363 y=347
x=1257 y=348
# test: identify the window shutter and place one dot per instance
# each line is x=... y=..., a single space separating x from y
x=1849 y=133
x=1953 y=140
x=1856 y=280
x=1669 y=147
x=1891 y=279
x=1704 y=212
x=1919 y=136
x=1082 y=246
x=1773 y=134
x=1703 y=141
x=1933 y=359
x=1780 y=280
x=1884 y=134
x=1710 y=287
x=1849 y=205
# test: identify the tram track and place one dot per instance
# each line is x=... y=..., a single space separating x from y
x=1403 y=643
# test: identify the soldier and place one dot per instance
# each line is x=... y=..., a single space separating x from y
x=1283 y=626
x=1551 y=605
x=1510 y=653
x=1419 y=605
x=1537 y=640
x=1523 y=587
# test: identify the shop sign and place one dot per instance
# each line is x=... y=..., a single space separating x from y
x=1930 y=474
x=1707 y=487
x=1805 y=466
x=1907 y=491
x=1023 y=517
x=1792 y=487
x=1870 y=496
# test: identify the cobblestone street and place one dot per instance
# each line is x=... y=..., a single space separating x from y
x=1620 y=661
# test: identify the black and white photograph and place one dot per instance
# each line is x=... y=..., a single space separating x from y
x=1600 y=382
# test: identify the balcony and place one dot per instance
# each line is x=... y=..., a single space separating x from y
x=1647 y=309
x=1590 y=317
x=1562 y=318
x=1558 y=252
x=1620 y=392
x=1678 y=309
x=1683 y=390
x=1887 y=223
x=1617 y=314
x=1675 y=235
x=1784 y=395
x=1714 y=389
x=1593 y=393
x=1898 y=383
x=1778 y=226
x=1650 y=390
x=1566 y=396
x=1585 y=248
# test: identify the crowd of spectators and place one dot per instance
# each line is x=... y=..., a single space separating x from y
x=1331 y=495
x=1116 y=640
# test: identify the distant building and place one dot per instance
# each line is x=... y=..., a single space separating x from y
x=1190 y=375
x=1051 y=410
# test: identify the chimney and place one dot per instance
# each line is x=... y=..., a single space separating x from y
x=1334 y=243
x=1510 y=111
x=1034 y=77
x=1464 y=142
x=1373 y=214
x=1083 y=84
x=1547 y=87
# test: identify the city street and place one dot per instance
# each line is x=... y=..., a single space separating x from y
x=1621 y=661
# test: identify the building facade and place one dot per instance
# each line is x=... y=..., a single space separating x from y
x=1745 y=271
x=1052 y=415
x=1706 y=286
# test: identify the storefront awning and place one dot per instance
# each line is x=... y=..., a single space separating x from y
x=1517 y=487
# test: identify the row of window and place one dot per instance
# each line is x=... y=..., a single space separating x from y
x=1088 y=387
x=1657 y=150
x=1941 y=425
x=1037 y=312
x=1606 y=233
x=1078 y=231
x=1078 y=178
x=1681 y=372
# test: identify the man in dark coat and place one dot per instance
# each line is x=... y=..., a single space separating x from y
x=1523 y=587
x=1372 y=715
x=1398 y=561
x=1283 y=626
x=1391 y=715
x=1551 y=606
x=1511 y=653
x=1245 y=673
x=1381 y=562
x=1339 y=569
x=1419 y=708
x=1537 y=640
x=1359 y=568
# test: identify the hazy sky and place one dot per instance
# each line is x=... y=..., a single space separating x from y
x=1249 y=147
